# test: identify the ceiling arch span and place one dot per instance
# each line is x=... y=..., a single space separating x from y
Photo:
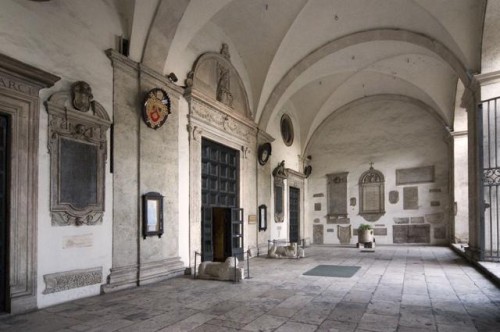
x=411 y=37
x=378 y=98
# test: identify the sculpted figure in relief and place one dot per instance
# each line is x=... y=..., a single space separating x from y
x=224 y=80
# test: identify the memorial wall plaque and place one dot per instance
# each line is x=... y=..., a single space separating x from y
x=371 y=195
x=435 y=190
x=393 y=196
x=337 y=194
x=318 y=234
x=317 y=206
x=329 y=230
x=344 y=234
x=401 y=220
x=280 y=174
x=317 y=221
x=435 y=203
x=78 y=150
x=410 y=198
x=319 y=195
x=434 y=218
x=411 y=233
x=380 y=231
x=414 y=175
x=417 y=220
x=440 y=233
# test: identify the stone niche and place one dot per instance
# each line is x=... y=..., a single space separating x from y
x=78 y=151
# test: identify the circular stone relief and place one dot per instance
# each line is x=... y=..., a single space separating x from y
x=286 y=128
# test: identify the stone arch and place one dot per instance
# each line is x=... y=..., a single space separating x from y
x=358 y=38
x=214 y=77
x=384 y=97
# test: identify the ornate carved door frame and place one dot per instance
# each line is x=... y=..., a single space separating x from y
x=19 y=100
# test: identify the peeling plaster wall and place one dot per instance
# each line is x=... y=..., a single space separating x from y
x=67 y=39
x=393 y=135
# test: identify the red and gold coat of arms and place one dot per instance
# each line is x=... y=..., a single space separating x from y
x=156 y=108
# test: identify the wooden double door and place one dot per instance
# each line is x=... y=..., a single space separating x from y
x=222 y=219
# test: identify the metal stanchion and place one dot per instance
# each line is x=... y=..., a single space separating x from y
x=249 y=254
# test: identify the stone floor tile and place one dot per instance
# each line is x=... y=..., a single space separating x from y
x=416 y=316
x=458 y=319
x=389 y=308
x=242 y=314
x=225 y=323
x=297 y=327
x=381 y=323
x=189 y=323
x=348 y=312
x=419 y=300
x=453 y=328
x=336 y=326
x=265 y=323
x=315 y=315
x=416 y=329
x=358 y=296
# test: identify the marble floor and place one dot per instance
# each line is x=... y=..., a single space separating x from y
x=398 y=288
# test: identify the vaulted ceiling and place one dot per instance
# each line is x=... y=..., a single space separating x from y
x=312 y=57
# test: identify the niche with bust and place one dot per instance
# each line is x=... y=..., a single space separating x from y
x=78 y=149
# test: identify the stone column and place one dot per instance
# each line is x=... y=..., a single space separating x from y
x=476 y=201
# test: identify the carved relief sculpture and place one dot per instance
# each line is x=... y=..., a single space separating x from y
x=77 y=145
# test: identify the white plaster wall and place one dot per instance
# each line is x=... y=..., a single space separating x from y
x=391 y=134
x=290 y=154
x=68 y=39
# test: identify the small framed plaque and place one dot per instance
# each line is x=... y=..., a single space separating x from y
x=152 y=214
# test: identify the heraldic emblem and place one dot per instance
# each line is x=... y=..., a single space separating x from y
x=156 y=108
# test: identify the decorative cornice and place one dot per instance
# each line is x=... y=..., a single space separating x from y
x=25 y=72
x=222 y=120
x=161 y=79
x=488 y=78
x=264 y=137
x=292 y=172
x=459 y=133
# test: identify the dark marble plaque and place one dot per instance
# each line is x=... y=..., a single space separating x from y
x=319 y=195
x=317 y=206
x=414 y=175
x=435 y=203
x=411 y=233
x=435 y=190
x=329 y=230
x=78 y=173
x=380 y=231
x=316 y=221
x=318 y=234
x=355 y=232
x=410 y=198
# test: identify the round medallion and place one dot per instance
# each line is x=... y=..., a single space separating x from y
x=156 y=108
x=264 y=153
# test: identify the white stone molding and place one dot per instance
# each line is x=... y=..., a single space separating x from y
x=19 y=88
